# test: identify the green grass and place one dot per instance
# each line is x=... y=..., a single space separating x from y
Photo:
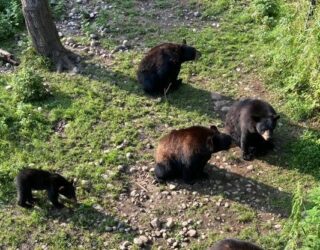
x=103 y=107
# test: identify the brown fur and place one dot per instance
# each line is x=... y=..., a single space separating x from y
x=186 y=151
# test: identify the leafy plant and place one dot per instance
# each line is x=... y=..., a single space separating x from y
x=29 y=85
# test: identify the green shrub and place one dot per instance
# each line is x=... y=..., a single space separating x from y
x=303 y=229
x=29 y=86
x=266 y=11
x=291 y=54
x=11 y=18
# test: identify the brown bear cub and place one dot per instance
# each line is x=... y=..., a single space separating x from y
x=251 y=122
x=232 y=244
x=185 y=152
x=29 y=179
x=161 y=66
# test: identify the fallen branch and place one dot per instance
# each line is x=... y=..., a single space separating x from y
x=7 y=57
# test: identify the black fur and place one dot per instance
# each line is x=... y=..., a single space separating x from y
x=247 y=121
x=34 y=179
x=161 y=66
x=233 y=244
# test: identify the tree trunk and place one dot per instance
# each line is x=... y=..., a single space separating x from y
x=44 y=34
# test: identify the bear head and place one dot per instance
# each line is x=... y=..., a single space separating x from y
x=265 y=125
x=189 y=53
x=218 y=141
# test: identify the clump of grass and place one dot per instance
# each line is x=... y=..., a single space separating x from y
x=28 y=85
x=266 y=11
x=292 y=59
x=303 y=229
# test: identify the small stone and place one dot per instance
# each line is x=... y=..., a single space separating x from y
x=125 y=43
x=8 y=65
x=250 y=167
x=172 y=186
x=125 y=245
x=121 y=168
x=93 y=43
x=94 y=36
x=129 y=155
x=278 y=226
x=169 y=223
x=155 y=223
x=197 y=14
x=192 y=233
x=141 y=240
x=226 y=205
x=85 y=183
x=225 y=109
x=78 y=1
x=109 y=229
x=8 y=87
x=60 y=34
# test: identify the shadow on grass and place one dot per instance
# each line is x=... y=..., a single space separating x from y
x=244 y=190
x=296 y=147
x=187 y=97
x=92 y=219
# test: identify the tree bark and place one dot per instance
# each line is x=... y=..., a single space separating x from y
x=44 y=34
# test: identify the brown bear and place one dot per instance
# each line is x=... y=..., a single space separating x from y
x=36 y=179
x=159 y=69
x=185 y=152
x=251 y=122
x=233 y=244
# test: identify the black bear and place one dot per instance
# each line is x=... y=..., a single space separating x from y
x=233 y=244
x=185 y=152
x=159 y=69
x=251 y=122
x=55 y=184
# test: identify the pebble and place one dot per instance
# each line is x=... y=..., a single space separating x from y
x=155 y=223
x=124 y=245
x=109 y=229
x=250 y=167
x=192 y=233
x=141 y=240
x=121 y=168
x=129 y=155
x=169 y=223
x=197 y=14
x=172 y=186
x=8 y=87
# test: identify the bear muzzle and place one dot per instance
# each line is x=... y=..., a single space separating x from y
x=267 y=135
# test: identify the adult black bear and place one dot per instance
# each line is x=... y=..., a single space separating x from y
x=55 y=184
x=185 y=152
x=251 y=122
x=161 y=66
x=233 y=244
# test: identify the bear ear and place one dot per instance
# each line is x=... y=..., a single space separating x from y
x=276 y=117
x=214 y=128
x=184 y=42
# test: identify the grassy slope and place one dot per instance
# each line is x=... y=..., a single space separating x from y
x=103 y=112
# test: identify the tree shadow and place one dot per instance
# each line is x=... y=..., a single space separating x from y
x=244 y=190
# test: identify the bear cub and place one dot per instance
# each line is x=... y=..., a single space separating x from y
x=233 y=244
x=185 y=152
x=251 y=122
x=34 y=179
x=161 y=66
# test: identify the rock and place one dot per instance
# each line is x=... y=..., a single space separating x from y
x=93 y=43
x=192 y=233
x=141 y=240
x=121 y=168
x=225 y=109
x=125 y=43
x=60 y=34
x=197 y=14
x=278 y=226
x=226 y=205
x=129 y=155
x=8 y=65
x=108 y=229
x=155 y=223
x=169 y=223
x=78 y=1
x=250 y=167
x=124 y=245
x=8 y=87
x=85 y=183
x=94 y=36
x=172 y=186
